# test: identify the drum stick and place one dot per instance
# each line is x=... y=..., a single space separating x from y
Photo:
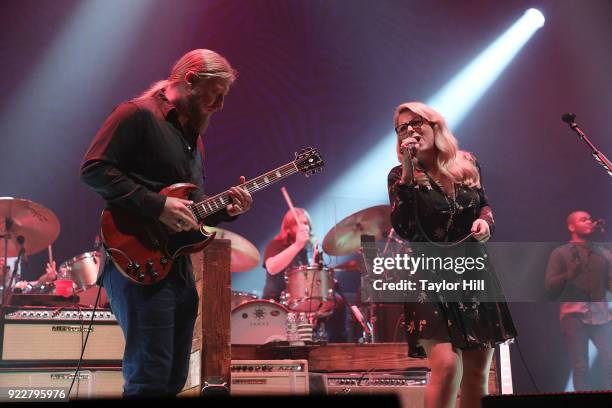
x=290 y=204
x=315 y=252
x=50 y=253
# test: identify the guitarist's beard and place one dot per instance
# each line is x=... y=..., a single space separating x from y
x=198 y=121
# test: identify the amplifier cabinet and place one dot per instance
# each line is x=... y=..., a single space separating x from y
x=98 y=382
x=47 y=335
x=408 y=386
x=269 y=377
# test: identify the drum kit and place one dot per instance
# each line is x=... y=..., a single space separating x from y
x=27 y=228
x=310 y=289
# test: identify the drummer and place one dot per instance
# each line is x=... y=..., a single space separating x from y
x=51 y=272
x=49 y=276
x=293 y=246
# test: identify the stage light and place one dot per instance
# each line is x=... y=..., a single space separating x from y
x=535 y=17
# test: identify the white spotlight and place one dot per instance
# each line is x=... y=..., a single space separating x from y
x=535 y=17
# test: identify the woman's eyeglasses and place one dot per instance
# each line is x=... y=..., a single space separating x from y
x=415 y=123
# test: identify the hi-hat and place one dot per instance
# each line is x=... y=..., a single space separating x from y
x=345 y=237
x=244 y=254
x=28 y=223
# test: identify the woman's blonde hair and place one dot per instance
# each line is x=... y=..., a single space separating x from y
x=458 y=165
x=204 y=63
x=289 y=222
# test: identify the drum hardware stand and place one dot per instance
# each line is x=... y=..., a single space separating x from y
x=356 y=313
x=5 y=271
x=10 y=274
x=391 y=236
x=367 y=252
x=8 y=223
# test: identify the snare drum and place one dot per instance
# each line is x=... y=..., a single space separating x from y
x=239 y=298
x=310 y=289
x=83 y=269
x=259 y=322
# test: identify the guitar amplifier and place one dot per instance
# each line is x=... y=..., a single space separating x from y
x=48 y=335
x=409 y=386
x=269 y=377
x=98 y=382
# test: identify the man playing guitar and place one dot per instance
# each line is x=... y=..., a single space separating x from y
x=145 y=145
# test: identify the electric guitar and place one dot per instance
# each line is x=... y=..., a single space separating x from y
x=143 y=249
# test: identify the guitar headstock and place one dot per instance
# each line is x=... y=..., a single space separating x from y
x=309 y=161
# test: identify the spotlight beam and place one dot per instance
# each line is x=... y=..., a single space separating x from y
x=462 y=93
x=363 y=184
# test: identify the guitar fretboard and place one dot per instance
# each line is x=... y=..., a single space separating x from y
x=217 y=203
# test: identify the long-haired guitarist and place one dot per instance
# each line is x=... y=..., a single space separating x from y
x=145 y=145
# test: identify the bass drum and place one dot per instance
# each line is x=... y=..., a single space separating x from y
x=239 y=298
x=259 y=322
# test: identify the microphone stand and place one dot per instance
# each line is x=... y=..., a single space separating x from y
x=569 y=118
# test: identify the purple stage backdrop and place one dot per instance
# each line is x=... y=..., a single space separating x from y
x=322 y=73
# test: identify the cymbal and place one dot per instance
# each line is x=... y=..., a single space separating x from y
x=244 y=254
x=345 y=237
x=37 y=225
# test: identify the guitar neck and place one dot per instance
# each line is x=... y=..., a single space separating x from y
x=220 y=201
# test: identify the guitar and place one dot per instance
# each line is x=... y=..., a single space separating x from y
x=143 y=250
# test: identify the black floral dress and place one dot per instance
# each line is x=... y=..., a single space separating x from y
x=425 y=213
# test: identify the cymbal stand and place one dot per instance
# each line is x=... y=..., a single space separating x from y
x=10 y=274
x=8 y=224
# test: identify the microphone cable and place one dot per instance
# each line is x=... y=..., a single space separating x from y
x=84 y=343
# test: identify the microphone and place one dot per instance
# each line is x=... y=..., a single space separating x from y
x=570 y=119
x=412 y=147
x=600 y=223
